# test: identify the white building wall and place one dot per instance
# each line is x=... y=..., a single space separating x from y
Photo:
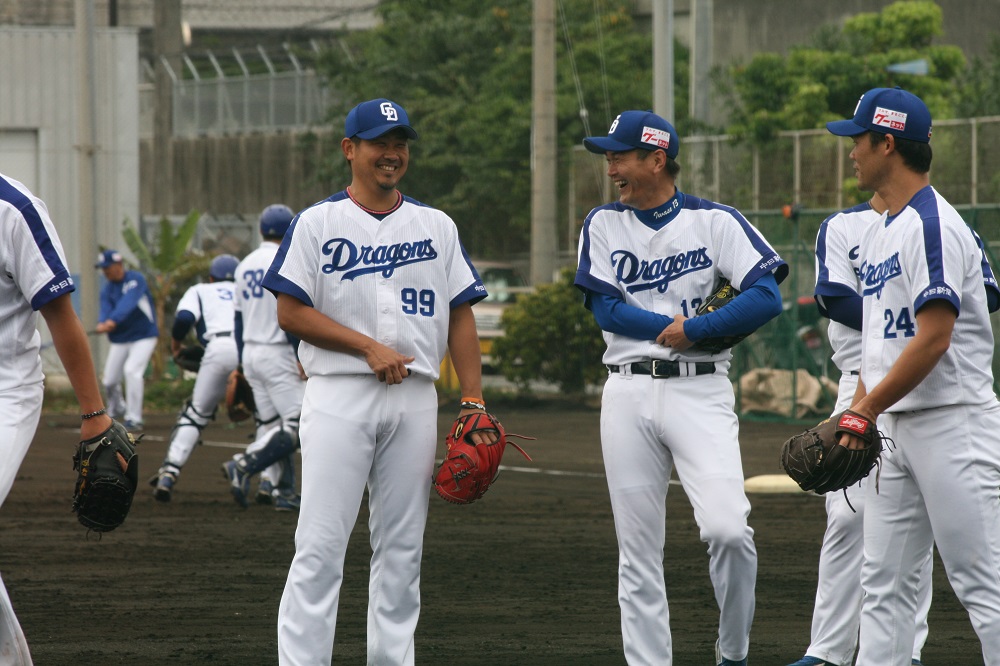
x=40 y=96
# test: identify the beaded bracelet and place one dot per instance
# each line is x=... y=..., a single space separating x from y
x=93 y=414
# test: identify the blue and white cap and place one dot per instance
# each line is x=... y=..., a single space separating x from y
x=108 y=257
x=887 y=111
x=376 y=117
x=636 y=129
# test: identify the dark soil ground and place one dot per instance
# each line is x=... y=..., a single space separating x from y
x=527 y=576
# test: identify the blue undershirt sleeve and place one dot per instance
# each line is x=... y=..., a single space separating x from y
x=846 y=310
x=182 y=324
x=750 y=310
x=238 y=334
x=616 y=316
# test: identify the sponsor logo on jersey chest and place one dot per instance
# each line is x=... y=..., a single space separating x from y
x=875 y=276
x=645 y=274
x=353 y=261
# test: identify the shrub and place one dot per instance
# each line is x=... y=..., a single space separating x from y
x=550 y=336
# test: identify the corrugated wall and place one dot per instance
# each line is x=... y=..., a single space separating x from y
x=39 y=92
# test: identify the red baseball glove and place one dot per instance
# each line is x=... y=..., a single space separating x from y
x=470 y=469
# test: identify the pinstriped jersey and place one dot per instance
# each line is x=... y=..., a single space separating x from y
x=669 y=270
x=925 y=253
x=257 y=305
x=33 y=272
x=211 y=303
x=838 y=262
x=393 y=279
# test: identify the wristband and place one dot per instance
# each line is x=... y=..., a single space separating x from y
x=93 y=414
x=473 y=405
x=478 y=401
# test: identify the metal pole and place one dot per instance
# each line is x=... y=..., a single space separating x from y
x=701 y=60
x=86 y=145
x=543 y=143
x=168 y=45
x=663 y=58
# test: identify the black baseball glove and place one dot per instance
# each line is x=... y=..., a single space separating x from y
x=817 y=462
x=189 y=357
x=721 y=297
x=107 y=475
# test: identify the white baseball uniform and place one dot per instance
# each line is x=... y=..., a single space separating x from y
x=394 y=278
x=650 y=424
x=211 y=304
x=33 y=272
x=939 y=480
x=269 y=360
x=837 y=611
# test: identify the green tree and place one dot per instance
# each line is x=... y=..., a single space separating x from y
x=981 y=84
x=170 y=268
x=463 y=71
x=549 y=335
x=822 y=81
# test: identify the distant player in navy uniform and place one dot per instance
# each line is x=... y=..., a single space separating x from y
x=128 y=316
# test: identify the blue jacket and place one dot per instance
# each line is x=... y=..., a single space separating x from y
x=130 y=305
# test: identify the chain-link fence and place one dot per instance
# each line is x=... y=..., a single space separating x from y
x=812 y=168
x=784 y=370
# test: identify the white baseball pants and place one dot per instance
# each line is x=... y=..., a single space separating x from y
x=938 y=484
x=21 y=408
x=648 y=426
x=358 y=432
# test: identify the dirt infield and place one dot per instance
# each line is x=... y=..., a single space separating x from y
x=525 y=577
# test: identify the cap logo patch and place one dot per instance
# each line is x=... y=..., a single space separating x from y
x=657 y=137
x=614 y=125
x=389 y=111
x=894 y=120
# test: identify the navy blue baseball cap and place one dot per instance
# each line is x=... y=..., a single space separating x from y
x=636 y=129
x=376 y=117
x=887 y=111
x=108 y=257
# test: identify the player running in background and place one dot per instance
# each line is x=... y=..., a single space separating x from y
x=377 y=286
x=646 y=262
x=128 y=317
x=208 y=309
x=926 y=362
x=34 y=278
x=270 y=363
x=837 y=610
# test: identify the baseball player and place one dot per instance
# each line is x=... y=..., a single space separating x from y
x=837 y=611
x=128 y=317
x=270 y=363
x=208 y=309
x=376 y=286
x=926 y=360
x=646 y=263
x=34 y=278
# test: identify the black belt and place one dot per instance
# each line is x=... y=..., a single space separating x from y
x=224 y=334
x=665 y=369
x=853 y=373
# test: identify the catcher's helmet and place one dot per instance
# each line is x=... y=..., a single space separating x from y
x=223 y=267
x=274 y=220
